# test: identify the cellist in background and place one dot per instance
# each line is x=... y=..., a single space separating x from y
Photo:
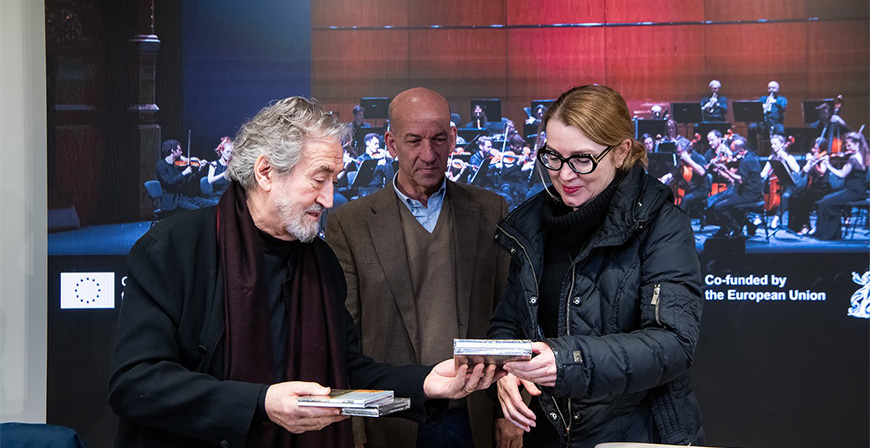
x=779 y=152
x=814 y=185
x=690 y=177
x=830 y=125
x=854 y=175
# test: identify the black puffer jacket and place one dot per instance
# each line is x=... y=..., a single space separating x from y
x=632 y=312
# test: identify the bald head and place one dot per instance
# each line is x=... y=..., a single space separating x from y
x=418 y=101
x=773 y=87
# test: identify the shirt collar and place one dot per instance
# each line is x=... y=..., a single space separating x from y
x=413 y=203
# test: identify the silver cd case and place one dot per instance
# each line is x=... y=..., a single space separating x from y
x=490 y=351
x=379 y=409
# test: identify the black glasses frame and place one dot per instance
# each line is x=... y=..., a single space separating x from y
x=563 y=160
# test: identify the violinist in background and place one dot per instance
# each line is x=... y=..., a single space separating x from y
x=383 y=171
x=745 y=188
x=714 y=106
x=830 y=125
x=689 y=177
x=174 y=172
x=854 y=175
x=217 y=171
x=718 y=146
x=509 y=175
x=779 y=152
x=457 y=170
x=814 y=185
x=774 y=106
x=484 y=151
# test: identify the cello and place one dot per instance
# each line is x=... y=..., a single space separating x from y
x=836 y=141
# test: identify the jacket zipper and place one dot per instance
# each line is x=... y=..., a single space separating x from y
x=567 y=333
x=655 y=301
x=526 y=253
x=567 y=328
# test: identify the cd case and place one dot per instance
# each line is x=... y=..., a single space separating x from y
x=347 y=398
x=491 y=351
x=380 y=408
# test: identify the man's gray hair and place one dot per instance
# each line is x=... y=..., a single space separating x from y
x=279 y=132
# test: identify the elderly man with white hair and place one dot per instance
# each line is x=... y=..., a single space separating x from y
x=715 y=105
x=232 y=313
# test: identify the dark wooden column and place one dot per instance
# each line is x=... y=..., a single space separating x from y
x=145 y=135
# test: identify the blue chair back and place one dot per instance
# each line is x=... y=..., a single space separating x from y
x=30 y=435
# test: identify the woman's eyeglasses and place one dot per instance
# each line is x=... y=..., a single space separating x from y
x=579 y=163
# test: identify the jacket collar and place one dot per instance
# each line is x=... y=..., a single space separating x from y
x=638 y=197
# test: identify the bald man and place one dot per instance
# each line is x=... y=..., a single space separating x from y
x=422 y=269
x=774 y=105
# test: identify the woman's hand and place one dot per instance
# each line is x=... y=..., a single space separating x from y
x=539 y=370
x=513 y=407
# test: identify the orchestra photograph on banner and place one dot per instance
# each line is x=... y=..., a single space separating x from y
x=713 y=157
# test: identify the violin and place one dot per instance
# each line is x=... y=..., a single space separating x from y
x=193 y=162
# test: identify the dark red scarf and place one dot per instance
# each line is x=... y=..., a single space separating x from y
x=315 y=321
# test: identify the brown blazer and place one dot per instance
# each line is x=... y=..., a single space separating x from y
x=367 y=237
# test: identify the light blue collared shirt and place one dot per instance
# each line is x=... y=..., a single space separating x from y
x=427 y=215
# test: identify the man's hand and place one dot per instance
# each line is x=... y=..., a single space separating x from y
x=282 y=409
x=507 y=435
x=539 y=370
x=512 y=405
x=446 y=381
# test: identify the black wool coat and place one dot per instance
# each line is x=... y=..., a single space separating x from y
x=167 y=369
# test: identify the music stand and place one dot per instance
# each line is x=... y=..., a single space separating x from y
x=480 y=175
x=670 y=147
x=686 y=113
x=471 y=134
x=809 y=109
x=545 y=103
x=748 y=111
x=465 y=157
x=491 y=107
x=530 y=129
x=782 y=173
x=705 y=127
x=376 y=106
x=661 y=163
x=804 y=138
x=531 y=139
x=651 y=127
x=364 y=176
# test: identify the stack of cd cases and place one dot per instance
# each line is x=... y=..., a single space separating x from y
x=490 y=351
x=359 y=402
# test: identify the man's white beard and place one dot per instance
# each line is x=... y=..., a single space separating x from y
x=297 y=222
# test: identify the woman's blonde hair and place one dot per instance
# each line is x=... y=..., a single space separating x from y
x=601 y=113
x=863 y=150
